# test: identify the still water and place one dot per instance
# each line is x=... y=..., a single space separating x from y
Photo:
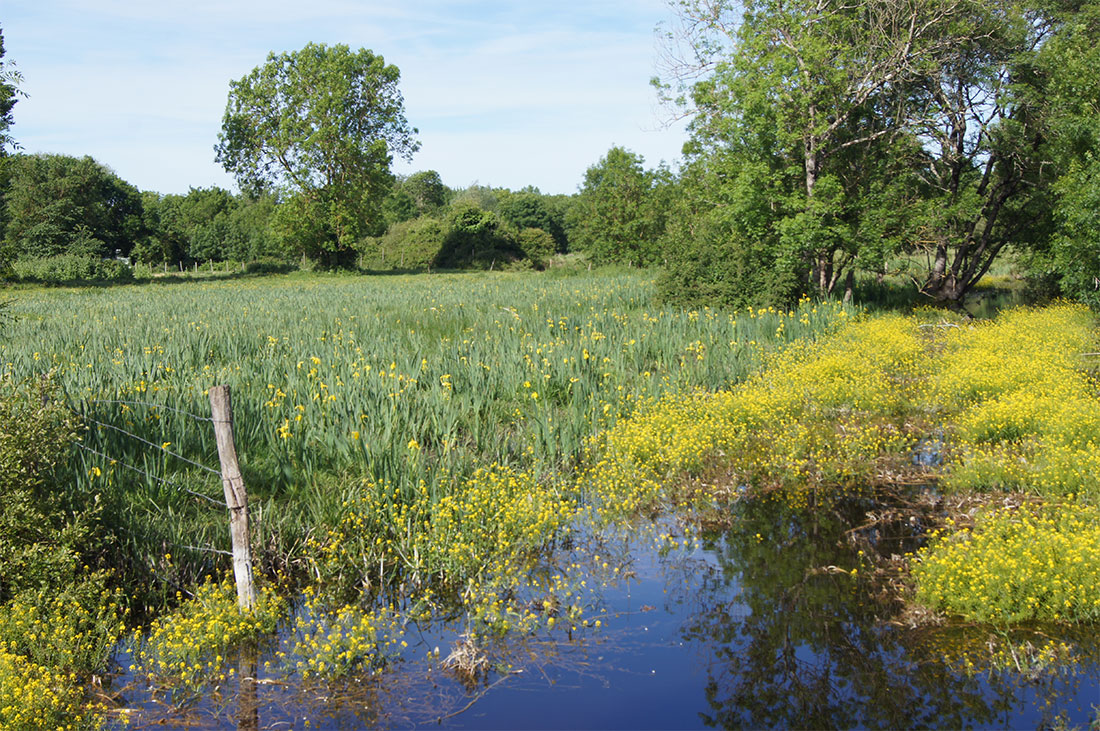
x=758 y=622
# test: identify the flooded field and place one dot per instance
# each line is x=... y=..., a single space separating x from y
x=768 y=621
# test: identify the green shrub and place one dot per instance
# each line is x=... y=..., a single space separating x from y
x=408 y=245
x=72 y=268
x=41 y=533
x=537 y=245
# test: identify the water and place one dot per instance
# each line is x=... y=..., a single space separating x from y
x=758 y=623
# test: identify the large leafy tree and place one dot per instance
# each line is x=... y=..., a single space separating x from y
x=878 y=126
x=530 y=209
x=618 y=216
x=1070 y=99
x=322 y=124
x=10 y=78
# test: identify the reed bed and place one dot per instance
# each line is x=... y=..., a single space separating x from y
x=345 y=388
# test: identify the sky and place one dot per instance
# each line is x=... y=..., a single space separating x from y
x=506 y=94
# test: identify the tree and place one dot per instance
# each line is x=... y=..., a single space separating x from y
x=58 y=204
x=419 y=194
x=725 y=248
x=857 y=111
x=1070 y=98
x=426 y=190
x=323 y=124
x=982 y=116
x=615 y=217
x=10 y=79
x=530 y=209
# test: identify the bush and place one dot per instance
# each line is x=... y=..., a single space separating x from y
x=58 y=622
x=41 y=535
x=537 y=245
x=71 y=268
x=408 y=245
x=475 y=239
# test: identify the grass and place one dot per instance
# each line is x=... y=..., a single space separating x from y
x=399 y=435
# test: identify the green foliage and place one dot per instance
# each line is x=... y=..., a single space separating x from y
x=67 y=268
x=724 y=247
x=475 y=239
x=43 y=536
x=1068 y=62
x=619 y=214
x=322 y=124
x=530 y=209
x=408 y=245
x=420 y=194
x=207 y=225
x=10 y=79
x=867 y=151
x=537 y=245
x=426 y=190
x=66 y=205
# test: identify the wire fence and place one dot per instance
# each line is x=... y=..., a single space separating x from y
x=82 y=411
x=235 y=497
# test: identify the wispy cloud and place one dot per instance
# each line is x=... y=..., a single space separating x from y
x=504 y=93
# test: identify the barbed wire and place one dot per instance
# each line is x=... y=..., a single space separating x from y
x=152 y=405
x=160 y=447
x=200 y=548
x=220 y=504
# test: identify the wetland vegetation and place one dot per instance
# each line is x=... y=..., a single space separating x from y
x=453 y=454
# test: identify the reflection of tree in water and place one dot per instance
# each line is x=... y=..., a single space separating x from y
x=802 y=644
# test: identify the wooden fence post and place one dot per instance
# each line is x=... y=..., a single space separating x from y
x=236 y=499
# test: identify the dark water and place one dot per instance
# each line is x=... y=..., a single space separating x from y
x=758 y=624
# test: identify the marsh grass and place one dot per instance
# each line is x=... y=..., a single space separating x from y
x=340 y=383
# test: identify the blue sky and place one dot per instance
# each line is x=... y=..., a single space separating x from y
x=504 y=93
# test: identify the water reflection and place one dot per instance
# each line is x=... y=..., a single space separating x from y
x=798 y=640
x=763 y=625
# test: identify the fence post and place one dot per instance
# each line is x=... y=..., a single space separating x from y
x=236 y=499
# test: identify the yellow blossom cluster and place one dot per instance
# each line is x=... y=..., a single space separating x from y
x=189 y=644
x=339 y=642
x=50 y=646
x=1022 y=408
x=33 y=696
x=1030 y=564
x=822 y=412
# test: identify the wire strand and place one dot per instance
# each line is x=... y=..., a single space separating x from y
x=154 y=445
x=152 y=405
x=166 y=481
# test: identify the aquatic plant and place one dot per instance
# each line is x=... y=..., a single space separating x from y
x=189 y=645
x=1027 y=564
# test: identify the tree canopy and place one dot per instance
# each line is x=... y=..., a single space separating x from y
x=322 y=124
x=870 y=129
x=57 y=204
x=10 y=78
x=619 y=215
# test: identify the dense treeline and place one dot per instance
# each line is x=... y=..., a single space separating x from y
x=834 y=139
x=68 y=218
